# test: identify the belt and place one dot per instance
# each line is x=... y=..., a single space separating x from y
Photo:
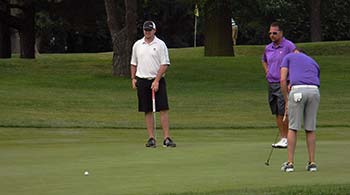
x=147 y=78
x=305 y=86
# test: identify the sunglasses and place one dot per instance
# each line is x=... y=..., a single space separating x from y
x=147 y=29
x=274 y=33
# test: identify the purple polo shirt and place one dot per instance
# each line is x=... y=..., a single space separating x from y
x=302 y=69
x=273 y=56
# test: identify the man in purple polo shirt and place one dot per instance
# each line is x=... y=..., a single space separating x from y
x=271 y=61
x=301 y=103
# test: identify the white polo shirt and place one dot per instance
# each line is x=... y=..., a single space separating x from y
x=149 y=57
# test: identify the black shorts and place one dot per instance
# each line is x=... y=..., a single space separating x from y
x=276 y=99
x=144 y=94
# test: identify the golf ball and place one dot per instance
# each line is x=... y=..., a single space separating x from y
x=86 y=173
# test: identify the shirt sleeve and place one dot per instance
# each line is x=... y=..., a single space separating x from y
x=285 y=62
x=164 y=55
x=263 y=57
x=133 y=56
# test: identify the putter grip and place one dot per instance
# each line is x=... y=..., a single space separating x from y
x=153 y=101
x=284 y=117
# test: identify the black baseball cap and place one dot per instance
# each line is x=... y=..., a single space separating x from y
x=149 y=25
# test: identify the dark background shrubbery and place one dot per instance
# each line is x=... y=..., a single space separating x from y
x=82 y=27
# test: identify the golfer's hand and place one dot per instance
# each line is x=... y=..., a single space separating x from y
x=266 y=73
x=289 y=87
x=155 y=86
x=133 y=83
x=285 y=113
x=285 y=117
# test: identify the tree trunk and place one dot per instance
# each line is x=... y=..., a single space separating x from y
x=5 y=40
x=22 y=19
x=15 y=42
x=122 y=38
x=16 y=24
x=121 y=62
x=131 y=25
x=315 y=20
x=27 y=33
x=5 y=35
x=218 y=39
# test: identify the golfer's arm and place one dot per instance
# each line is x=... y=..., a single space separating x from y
x=284 y=85
x=161 y=71
x=133 y=71
x=264 y=65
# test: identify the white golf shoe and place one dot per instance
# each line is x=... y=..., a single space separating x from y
x=283 y=143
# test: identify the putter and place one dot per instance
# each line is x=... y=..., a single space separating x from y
x=267 y=163
x=154 y=113
x=284 y=117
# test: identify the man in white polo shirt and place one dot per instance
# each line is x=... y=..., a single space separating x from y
x=149 y=62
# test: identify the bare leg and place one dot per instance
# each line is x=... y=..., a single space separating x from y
x=164 y=120
x=292 y=140
x=311 y=144
x=282 y=126
x=149 y=124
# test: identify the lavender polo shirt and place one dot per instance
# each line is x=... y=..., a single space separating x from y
x=273 y=56
x=302 y=69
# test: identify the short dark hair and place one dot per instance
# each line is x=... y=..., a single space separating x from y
x=276 y=24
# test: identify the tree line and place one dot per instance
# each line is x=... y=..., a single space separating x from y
x=63 y=26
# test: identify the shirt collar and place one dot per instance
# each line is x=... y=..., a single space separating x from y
x=282 y=43
x=151 y=43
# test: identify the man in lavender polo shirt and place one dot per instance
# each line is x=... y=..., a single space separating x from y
x=271 y=61
x=301 y=103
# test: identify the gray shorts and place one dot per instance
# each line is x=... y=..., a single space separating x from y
x=303 y=104
x=276 y=99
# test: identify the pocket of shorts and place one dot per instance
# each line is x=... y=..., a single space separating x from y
x=297 y=97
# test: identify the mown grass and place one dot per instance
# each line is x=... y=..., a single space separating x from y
x=207 y=161
x=62 y=114
x=76 y=90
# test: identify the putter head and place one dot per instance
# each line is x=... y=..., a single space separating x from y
x=267 y=163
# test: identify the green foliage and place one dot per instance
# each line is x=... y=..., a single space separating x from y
x=84 y=28
x=251 y=27
x=336 y=21
x=293 y=16
x=50 y=33
x=71 y=26
x=174 y=20
x=254 y=17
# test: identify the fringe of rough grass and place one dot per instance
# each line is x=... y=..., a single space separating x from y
x=329 y=189
x=179 y=127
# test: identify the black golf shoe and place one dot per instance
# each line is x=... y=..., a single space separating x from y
x=151 y=143
x=168 y=143
x=287 y=167
x=311 y=166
